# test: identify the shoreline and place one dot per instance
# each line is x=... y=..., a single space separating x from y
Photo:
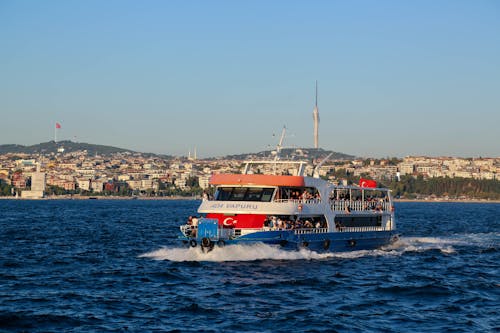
x=449 y=200
x=62 y=197
x=197 y=198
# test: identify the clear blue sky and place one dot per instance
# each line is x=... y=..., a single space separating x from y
x=396 y=78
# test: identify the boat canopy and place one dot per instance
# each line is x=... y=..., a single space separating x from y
x=253 y=179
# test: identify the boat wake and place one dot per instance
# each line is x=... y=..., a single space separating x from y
x=233 y=253
x=446 y=245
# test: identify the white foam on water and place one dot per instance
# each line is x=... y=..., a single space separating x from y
x=250 y=252
x=421 y=244
x=446 y=245
x=233 y=253
x=260 y=251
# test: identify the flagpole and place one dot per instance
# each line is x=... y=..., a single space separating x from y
x=55 y=133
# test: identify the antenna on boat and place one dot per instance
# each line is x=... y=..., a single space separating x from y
x=280 y=143
x=278 y=147
x=316 y=169
x=316 y=119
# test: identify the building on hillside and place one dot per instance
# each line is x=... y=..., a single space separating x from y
x=38 y=183
x=84 y=184
x=204 y=181
x=97 y=185
x=18 y=180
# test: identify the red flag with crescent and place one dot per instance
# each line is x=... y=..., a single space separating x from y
x=367 y=183
x=58 y=125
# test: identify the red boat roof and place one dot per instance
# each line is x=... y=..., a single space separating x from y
x=269 y=180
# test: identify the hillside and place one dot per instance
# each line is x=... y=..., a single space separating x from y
x=295 y=153
x=69 y=146
x=92 y=149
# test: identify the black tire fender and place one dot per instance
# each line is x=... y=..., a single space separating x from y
x=206 y=242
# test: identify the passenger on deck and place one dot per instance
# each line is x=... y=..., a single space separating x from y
x=348 y=209
x=194 y=226
x=308 y=224
x=272 y=223
x=288 y=224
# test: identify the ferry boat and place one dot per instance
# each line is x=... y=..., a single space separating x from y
x=292 y=211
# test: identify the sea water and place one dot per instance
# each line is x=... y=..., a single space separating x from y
x=117 y=265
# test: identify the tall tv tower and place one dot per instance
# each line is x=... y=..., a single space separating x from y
x=316 y=120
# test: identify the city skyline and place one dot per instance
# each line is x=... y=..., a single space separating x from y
x=395 y=79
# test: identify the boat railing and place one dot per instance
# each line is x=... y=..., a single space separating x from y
x=310 y=231
x=361 y=229
x=299 y=201
x=359 y=205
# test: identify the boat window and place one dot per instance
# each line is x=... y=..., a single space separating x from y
x=267 y=194
x=223 y=193
x=298 y=193
x=358 y=221
x=244 y=194
x=254 y=194
x=295 y=222
x=238 y=194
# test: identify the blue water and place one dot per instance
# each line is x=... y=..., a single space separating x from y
x=114 y=266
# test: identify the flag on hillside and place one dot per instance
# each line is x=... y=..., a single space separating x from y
x=58 y=125
x=367 y=183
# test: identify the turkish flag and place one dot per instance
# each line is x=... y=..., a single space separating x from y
x=367 y=183
x=58 y=125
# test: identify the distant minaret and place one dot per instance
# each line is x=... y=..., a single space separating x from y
x=316 y=120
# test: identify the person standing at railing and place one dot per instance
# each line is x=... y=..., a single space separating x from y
x=279 y=224
x=194 y=226
x=272 y=223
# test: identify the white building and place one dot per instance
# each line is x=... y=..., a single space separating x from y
x=38 y=183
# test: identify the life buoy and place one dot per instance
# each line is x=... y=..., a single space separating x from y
x=193 y=243
x=299 y=207
x=326 y=244
x=221 y=243
x=206 y=242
